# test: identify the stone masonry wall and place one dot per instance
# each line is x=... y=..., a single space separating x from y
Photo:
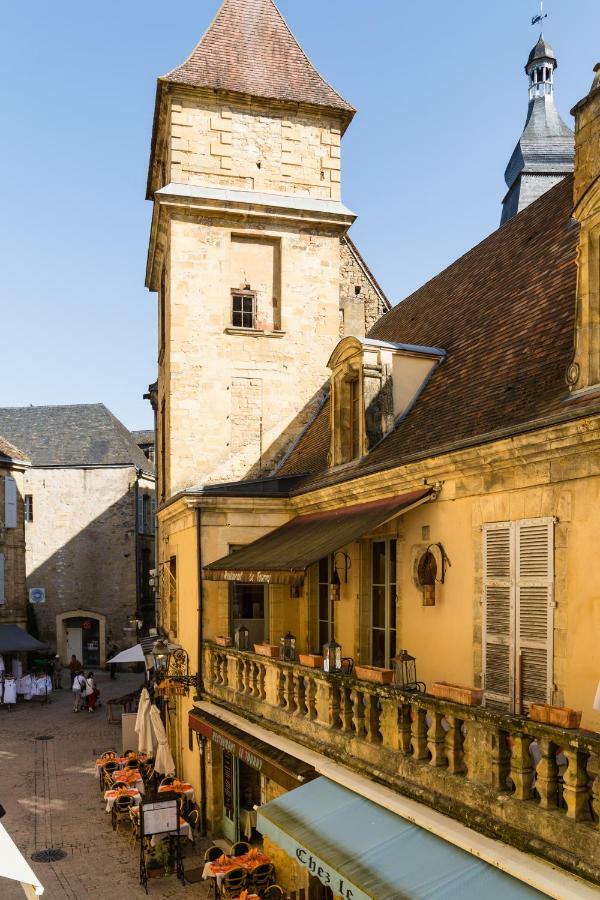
x=361 y=304
x=12 y=546
x=253 y=146
x=81 y=545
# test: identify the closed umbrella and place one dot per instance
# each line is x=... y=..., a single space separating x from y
x=163 y=761
x=143 y=728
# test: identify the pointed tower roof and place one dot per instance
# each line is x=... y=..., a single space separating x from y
x=249 y=49
x=542 y=50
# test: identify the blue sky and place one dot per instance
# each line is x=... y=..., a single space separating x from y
x=441 y=98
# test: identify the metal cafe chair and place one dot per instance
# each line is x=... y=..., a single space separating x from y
x=274 y=892
x=212 y=854
x=240 y=849
x=261 y=877
x=233 y=882
x=120 y=812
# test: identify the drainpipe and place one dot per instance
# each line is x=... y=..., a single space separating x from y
x=199 y=675
x=138 y=551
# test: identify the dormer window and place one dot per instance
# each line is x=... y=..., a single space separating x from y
x=243 y=312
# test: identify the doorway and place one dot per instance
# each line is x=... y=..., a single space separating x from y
x=74 y=638
x=231 y=811
x=383 y=602
x=248 y=608
x=82 y=635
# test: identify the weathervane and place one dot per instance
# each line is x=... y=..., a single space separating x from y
x=537 y=20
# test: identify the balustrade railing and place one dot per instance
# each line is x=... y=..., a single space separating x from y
x=474 y=757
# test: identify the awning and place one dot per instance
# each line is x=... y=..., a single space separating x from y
x=16 y=640
x=363 y=851
x=283 y=555
x=280 y=767
x=15 y=867
x=131 y=655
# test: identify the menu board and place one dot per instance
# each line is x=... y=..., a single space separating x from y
x=228 y=784
x=160 y=817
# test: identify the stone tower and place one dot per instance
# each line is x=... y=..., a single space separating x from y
x=245 y=247
x=546 y=149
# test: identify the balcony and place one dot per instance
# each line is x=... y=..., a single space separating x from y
x=534 y=786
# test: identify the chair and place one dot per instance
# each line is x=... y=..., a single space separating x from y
x=212 y=854
x=261 y=877
x=108 y=754
x=135 y=825
x=118 y=785
x=274 y=892
x=107 y=772
x=233 y=882
x=240 y=849
x=120 y=812
x=129 y=753
x=167 y=781
x=132 y=763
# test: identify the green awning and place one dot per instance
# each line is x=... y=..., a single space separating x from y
x=365 y=852
x=16 y=640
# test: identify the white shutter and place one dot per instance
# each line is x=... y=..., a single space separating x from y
x=498 y=615
x=2 y=594
x=140 y=513
x=152 y=515
x=535 y=610
x=10 y=502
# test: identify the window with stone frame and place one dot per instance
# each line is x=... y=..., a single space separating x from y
x=243 y=309
x=28 y=507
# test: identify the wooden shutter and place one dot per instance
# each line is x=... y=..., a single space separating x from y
x=534 y=610
x=152 y=515
x=140 y=513
x=498 y=615
x=10 y=502
x=2 y=593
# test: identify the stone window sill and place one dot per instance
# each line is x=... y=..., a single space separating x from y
x=255 y=332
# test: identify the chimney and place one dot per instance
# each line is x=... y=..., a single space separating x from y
x=583 y=375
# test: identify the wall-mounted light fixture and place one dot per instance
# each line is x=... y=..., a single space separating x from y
x=429 y=572
x=335 y=585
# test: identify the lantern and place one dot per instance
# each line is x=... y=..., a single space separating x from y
x=241 y=637
x=295 y=591
x=427 y=574
x=332 y=656
x=405 y=671
x=287 y=647
x=335 y=589
x=161 y=654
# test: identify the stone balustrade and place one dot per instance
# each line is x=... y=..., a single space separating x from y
x=534 y=786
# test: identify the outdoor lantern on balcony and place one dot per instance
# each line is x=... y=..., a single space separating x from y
x=161 y=653
x=405 y=672
x=332 y=656
x=287 y=647
x=241 y=637
x=335 y=587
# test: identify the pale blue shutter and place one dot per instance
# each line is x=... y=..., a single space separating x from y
x=140 y=513
x=10 y=502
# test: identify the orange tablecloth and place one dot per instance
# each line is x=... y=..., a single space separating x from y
x=129 y=776
x=180 y=788
x=247 y=862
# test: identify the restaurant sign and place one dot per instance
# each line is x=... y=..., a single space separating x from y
x=327 y=876
x=255 y=576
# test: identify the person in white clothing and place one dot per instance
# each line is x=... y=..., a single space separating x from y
x=79 y=689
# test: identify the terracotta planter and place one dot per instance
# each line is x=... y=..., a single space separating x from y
x=555 y=715
x=223 y=640
x=457 y=693
x=270 y=650
x=374 y=674
x=312 y=660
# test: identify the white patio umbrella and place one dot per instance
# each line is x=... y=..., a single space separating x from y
x=163 y=761
x=14 y=866
x=132 y=654
x=143 y=728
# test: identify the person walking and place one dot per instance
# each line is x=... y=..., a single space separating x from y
x=75 y=666
x=57 y=673
x=91 y=692
x=79 y=689
x=111 y=666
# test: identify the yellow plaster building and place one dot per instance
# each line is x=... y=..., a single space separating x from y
x=431 y=487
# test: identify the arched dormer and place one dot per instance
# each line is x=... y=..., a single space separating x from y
x=373 y=384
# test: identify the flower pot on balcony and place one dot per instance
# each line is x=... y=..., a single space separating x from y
x=223 y=640
x=312 y=660
x=457 y=693
x=374 y=674
x=561 y=716
x=270 y=650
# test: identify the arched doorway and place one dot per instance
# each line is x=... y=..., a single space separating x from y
x=83 y=633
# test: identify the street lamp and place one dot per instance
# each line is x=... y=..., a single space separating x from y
x=172 y=664
x=287 y=647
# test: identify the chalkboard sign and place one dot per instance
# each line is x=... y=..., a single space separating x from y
x=228 y=802
x=159 y=818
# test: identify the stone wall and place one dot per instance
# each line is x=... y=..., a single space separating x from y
x=12 y=546
x=253 y=146
x=81 y=546
x=361 y=300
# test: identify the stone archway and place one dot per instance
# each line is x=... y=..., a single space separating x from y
x=61 y=631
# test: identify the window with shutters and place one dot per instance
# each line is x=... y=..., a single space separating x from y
x=2 y=593
x=10 y=502
x=518 y=622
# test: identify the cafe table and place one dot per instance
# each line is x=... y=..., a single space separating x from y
x=111 y=796
x=179 y=787
x=218 y=870
x=131 y=778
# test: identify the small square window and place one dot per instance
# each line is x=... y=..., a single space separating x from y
x=28 y=505
x=243 y=310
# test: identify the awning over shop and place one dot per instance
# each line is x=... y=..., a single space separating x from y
x=15 y=867
x=131 y=655
x=363 y=851
x=283 y=555
x=285 y=770
x=16 y=640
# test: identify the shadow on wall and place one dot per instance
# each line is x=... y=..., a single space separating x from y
x=95 y=571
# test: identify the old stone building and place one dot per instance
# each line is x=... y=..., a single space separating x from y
x=13 y=594
x=426 y=509
x=89 y=530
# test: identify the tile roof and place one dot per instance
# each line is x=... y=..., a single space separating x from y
x=249 y=49
x=9 y=451
x=505 y=313
x=78 y=435
x=146 y=436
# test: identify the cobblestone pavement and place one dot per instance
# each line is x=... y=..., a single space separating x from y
x=50 y=792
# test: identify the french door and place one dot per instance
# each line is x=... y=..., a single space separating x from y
x=383 y=602
x=518 y=613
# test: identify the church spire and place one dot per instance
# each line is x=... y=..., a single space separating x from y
x=545 y=151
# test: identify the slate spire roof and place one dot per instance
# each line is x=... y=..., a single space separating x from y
x=249 y=49
x=79 y=435
x=545 y=152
